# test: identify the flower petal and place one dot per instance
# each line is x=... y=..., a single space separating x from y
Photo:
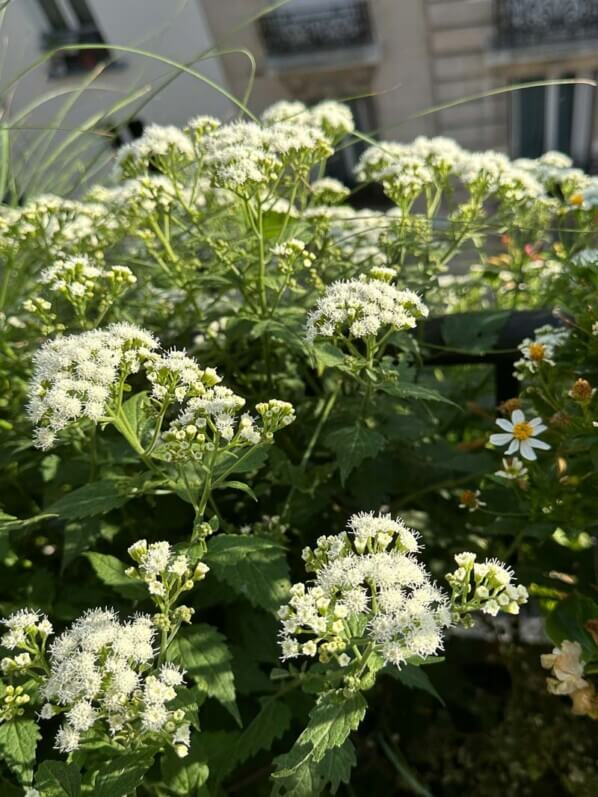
x=504 y=424
x=513 y=447
x=517 y=416
x=535 y=422
x=540 y=428
x=500 y=439
x=527 y=452
x=535 y=443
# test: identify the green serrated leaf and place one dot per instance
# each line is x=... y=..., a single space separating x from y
x=329 y=355
x=236 y=485
x=313 y=778
x=244 y=462
x=353 y=444
x=92 y=499
x=135 y=412
x=335 y=768
x=253 y=567
x=270 y=723
x=301 y=783
x=203 y=652
x=121 y=776
x=414 y=677
x=111 y=571
x=57 y=779
x=330 y=722
x=185 y=775
x=411 y=390
x=18 y=741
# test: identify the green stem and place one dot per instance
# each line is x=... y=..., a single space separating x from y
x=5 y=280
x=163 y=240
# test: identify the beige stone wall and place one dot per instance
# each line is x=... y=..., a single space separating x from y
x=461 y=33
x=430 y=53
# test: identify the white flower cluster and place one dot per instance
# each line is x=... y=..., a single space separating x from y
x=589 y=195
x=102 y=677
x=551 y=167
x=82 y=376
x=404 y=182
x=157 y=144
x=406 y=169
x=328 y=191
x=585 y=258
x=539 y=350
x=75 y=376
x=165 y=572
x=174 y=376
x=492 y=172
x=245 y=157
x=486 y=586
x=212 y=419
x=23 y=626
x=291 y=255
x=361 y=308
x=56 y=226
x=198 y=126
x=368 y=585
x=78 y=278
x=334 y=118
x=440 y=155
x=140 y=196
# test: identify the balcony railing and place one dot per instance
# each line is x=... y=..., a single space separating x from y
x=333 y=26
x=522 y=23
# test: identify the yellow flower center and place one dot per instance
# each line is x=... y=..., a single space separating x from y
x=468 y=498
x=576 y=199
x=523 y=430
x=536 y=351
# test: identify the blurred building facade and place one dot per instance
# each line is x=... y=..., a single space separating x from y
x=393 y=60
x=416 y=55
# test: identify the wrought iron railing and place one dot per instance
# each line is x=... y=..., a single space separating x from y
x=334 y=25
x=522 y=23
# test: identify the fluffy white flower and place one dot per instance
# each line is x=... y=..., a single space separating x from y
x=369 y=577
x=157 y=141
x=74 y=375
x=22 y=625
x=362 y=308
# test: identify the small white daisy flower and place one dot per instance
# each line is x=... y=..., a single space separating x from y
x=520 y=435
x=512 y=469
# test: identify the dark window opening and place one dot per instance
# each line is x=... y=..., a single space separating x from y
x=79 y=27
x=565 y=116
x=529 y=119
x=333 y=25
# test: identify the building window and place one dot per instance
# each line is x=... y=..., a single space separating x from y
x=307 y=26
x=524 y=23
x=71 y=22
x=553 y=117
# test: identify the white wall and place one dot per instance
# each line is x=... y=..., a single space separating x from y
x=176 y=29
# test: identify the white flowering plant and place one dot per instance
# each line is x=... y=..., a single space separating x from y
x=212 y=356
